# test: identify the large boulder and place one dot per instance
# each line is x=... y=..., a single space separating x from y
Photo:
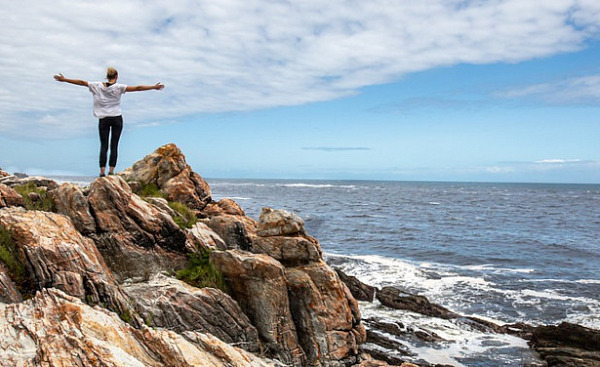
x=9 y=197
x=172 y=304
x=259 y=285
x=202 y=237
x=236 y=231
x=136 y=238
x=70 y=200
x=58 y=330
x=56 y=255
x=277 y=222
x=325 y=314
x=167 y=169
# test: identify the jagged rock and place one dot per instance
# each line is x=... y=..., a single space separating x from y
x=136 y=238
x=3 y=173
x=55 y=329
x=171 y=304
x=567 y=345
x=56 y=255
x=360 y=290
x=167 y=169
x=70 y=200
x=202 y=237
x=223 y=206
x=259 y=285
x=290 y=251
x=8 y=289
x=235 y=230
x=36 y=180
x=395 y=298
x=277 y=222
x=325 y=313
x=9 y=197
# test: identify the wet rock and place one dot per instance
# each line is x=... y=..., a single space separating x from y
x=62 y=331
x=567 y=345
x=9 y=197
x=167 y=169
x=136 y=238
x=57 y=255
x=171 y=304
x=395 y=298
x=360 y=290
x=259 y=286
x=70 y=201
x=277 y=222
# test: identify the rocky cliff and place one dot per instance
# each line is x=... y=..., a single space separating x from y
x=108 y=275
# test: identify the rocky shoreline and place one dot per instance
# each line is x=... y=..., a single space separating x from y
x=121 y=274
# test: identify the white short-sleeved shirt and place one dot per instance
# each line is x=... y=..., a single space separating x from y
x=107 y=100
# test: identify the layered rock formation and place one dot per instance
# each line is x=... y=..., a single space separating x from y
x=93 y=282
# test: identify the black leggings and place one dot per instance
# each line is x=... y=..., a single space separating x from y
x=114 y=126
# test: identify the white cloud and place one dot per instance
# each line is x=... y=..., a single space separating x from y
x=570 y=91
x=233 y=55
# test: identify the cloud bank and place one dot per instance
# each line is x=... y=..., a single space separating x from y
x=237 y=55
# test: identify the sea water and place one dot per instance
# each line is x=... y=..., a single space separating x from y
x=503 y=252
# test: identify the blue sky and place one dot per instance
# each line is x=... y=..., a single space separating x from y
x=502 y=91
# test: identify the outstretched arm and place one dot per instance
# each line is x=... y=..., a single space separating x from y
x=140 y=88
x=61 y=78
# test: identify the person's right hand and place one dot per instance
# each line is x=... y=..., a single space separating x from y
x=59 y=78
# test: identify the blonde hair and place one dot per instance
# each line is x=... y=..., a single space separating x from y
x=111 y=73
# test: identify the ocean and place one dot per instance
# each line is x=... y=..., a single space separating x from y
x=498 y=251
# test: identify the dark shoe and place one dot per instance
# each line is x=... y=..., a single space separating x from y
x=102 y=175
x=111 y=173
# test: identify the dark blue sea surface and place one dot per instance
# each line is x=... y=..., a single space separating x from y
x=505 y=252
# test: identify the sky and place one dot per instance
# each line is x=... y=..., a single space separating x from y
x=430 y=90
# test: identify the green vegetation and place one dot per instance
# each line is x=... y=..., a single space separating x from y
x=10 y=257
x=150 y=190
x=202 y=273
x=185 y=218
x=126 y=316
x=35 y=198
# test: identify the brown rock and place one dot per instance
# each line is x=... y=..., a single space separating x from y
x=290 y=251
x=395 y=298
x=136 y=238
x=9 y=197
x=171 y=304
x=223 y=206
x=236 y=231
x=56 y=255
x=259 y=285
x=8 y=289
x=62 y=331
x=277 y=222
x=200 y=236
x=166 y=167
x=36 y=180
x=70 y=201
x=325 y=313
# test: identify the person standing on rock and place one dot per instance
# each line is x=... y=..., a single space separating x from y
x=107 y=108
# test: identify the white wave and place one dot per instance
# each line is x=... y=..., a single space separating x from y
x=317 y=186
x=434 y=203
x=239 y=198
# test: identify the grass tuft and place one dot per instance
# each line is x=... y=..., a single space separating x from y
x=185 y=218
x=36 y=198
x=202 y=273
